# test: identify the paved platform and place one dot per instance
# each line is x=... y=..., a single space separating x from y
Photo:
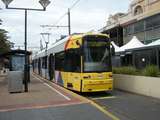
x=45 y=101
x=40 y=95
x=72 y=112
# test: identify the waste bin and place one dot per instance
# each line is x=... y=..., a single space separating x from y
x=15 y=82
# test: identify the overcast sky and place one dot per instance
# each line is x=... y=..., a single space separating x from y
x=85 y=16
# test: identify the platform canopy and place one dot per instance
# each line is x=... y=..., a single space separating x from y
x=157 y=42
x=133 y=43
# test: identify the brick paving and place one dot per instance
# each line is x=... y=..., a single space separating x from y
x=45 y=101
x=39 y=95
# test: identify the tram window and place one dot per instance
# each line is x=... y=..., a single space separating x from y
x=44 y=62
x=59 y=61
x=51 y=62
x=68 y=61
x=72 y=61
x=36 y=63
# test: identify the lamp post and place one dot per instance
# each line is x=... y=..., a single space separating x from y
x=44 y=4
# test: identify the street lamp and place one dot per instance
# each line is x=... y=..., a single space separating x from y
x=44 y=4
x=7 y=2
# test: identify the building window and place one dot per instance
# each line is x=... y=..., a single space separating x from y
x=139 y=26
x=153 y=22
x=128 y=30
x=138 y=10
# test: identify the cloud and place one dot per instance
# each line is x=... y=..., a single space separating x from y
x=85 y=16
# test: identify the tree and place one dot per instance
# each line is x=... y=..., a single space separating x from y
x=4 y=43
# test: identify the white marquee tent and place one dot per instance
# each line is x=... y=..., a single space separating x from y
x=133 y=43
x=157 y=42
x=115 y=46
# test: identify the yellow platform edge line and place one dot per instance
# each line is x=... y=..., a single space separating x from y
x=106 y=112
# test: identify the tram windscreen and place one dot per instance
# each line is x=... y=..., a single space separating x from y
x=96 y=54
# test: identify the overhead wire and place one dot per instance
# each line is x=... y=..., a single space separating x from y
x=61 y=17
x=72 y=6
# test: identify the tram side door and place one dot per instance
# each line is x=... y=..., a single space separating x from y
x=39 y=66
x=51 y=67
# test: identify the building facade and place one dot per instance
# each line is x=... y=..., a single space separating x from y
x=141 y=20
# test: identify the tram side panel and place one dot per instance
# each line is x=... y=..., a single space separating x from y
x=67 y=69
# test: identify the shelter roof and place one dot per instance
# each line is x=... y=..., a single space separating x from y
x=12 y=52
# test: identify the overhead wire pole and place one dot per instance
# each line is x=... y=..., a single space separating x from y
x=69 y=19
x=46 y=42
x=69 y=22
x=69 y=16
x=48 y=36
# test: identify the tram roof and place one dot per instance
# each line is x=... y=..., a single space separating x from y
x=60 y=45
